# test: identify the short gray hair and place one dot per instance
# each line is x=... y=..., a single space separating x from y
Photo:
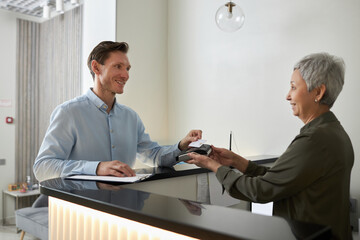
x=322 y=68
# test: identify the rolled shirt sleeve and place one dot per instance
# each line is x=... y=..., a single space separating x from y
x=152 y=153
x=81 y=134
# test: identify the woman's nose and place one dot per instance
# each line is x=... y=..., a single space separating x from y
x=288 y=96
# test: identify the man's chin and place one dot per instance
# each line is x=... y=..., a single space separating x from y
x=119 y=92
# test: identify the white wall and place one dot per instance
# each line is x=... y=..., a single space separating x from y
x=146 y=33
x=238 y=81
x=208 y=79
x=143 y=25
x=99 y=21
x=7 y=92
x=95 y=30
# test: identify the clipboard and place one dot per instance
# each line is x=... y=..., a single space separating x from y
x=137 y=178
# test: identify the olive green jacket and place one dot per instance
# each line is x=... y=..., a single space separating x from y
x=309 y=182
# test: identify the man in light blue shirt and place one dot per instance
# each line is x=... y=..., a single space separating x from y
x=94 y=135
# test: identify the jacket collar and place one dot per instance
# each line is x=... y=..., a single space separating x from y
x=323 y=118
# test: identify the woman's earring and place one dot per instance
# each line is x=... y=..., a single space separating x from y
x=316 y=100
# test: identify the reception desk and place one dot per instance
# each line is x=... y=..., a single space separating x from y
x=175 y=203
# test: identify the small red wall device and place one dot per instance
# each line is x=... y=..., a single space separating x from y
x=9 y=120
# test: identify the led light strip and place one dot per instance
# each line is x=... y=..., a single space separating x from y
x=74 y=222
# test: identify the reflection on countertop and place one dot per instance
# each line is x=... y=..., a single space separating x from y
x=198 y=219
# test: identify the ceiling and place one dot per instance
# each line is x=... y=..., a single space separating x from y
x=34 y=8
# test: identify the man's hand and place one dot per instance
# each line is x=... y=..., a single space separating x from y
x=192 y=136
x=203 y=161
x=114 y=168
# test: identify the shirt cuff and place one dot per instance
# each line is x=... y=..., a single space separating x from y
x=169 y=159
x=222 y=172
x=227 y=177
x=176 y=152
x=250 y=168
x=90 y=167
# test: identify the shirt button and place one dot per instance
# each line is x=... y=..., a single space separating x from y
x=111 y=131
x=112 y=146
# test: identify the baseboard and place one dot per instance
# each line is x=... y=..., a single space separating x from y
x=9 y=220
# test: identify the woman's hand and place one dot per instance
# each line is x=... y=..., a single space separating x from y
x=223 y=156
x=228 y=158
x=203 y=161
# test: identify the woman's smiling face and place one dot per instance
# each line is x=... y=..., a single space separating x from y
x=302 y=101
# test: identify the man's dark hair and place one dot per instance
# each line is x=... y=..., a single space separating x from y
x=101 y=52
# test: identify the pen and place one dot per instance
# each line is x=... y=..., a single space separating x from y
x=230 y=140
x=230 y=146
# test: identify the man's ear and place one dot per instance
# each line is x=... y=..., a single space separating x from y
x=95 y=67
x=320 y=91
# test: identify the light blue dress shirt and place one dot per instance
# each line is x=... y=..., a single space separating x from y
x=81 y=134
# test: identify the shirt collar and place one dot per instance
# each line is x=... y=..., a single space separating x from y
x=323 y=118
x=97 y=101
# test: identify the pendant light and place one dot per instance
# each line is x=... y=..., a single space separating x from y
x=229 y=17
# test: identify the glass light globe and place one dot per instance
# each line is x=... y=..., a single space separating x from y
x=229 y=17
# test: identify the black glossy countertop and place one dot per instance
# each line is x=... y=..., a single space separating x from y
x=186 y=217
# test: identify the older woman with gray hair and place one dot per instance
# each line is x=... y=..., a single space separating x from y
x=310 y=181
